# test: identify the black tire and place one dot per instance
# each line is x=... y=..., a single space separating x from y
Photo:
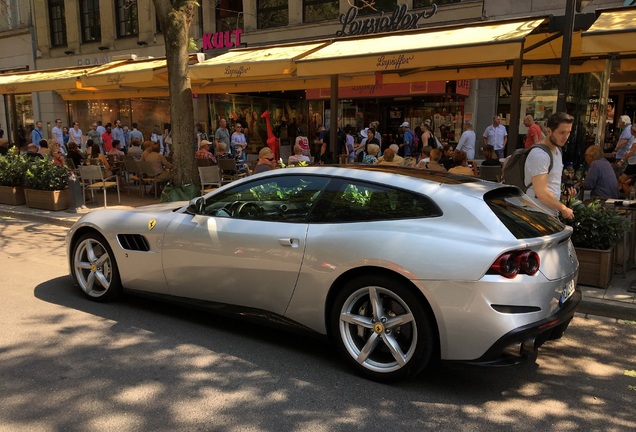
x=397 y=334
x=94 y=268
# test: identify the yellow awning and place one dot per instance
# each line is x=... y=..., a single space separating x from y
x=34 y=81
x=121 y=73
x=477 y=44
x=613 y=32
x=253 y=63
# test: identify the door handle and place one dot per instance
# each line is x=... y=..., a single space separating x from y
x=288 y=242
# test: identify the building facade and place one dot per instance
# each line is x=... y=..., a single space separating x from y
x=55 y=34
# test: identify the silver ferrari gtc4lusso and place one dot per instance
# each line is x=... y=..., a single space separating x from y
x=398 y=267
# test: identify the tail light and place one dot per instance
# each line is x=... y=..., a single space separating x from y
x=510 y=264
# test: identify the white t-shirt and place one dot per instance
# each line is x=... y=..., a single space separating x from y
x=467 y=143
x=538 y=162
x=76 y=135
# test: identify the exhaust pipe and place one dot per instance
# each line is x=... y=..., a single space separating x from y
x=518 y=349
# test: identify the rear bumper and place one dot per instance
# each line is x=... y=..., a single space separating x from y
x=519 y=344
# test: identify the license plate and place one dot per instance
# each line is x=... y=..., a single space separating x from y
x=567 y=292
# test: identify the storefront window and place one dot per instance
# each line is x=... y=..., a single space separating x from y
x=127 y=18
x=539 y=99
x=229 y=15
x=21 y=118
x=320 y=10
x=90 y=19
x=272 y=13
x=57 y=23
x=145 y=112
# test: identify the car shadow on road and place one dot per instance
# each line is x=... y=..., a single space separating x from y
x=152 y=362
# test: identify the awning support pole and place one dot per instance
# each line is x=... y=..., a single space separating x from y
x=566 y=50
x=603 y=101
x=333 y=122
x=515 y=105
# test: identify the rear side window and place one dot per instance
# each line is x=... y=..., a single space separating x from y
x=351 y=201
x=522 y=217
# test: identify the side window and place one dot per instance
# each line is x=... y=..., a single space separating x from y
x=275 y=199
x=350 y=201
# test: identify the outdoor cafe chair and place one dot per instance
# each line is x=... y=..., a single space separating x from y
x=491 y=173
x=92 y=178
x=210 y=177
x=229 y=170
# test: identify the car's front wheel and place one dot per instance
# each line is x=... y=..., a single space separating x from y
x=95 y=269
x=382 y=328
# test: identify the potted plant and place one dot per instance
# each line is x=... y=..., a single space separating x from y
x=597 y=230
x=46 y=185
x=13 y=169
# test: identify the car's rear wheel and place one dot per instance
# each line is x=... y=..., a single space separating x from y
x=95 y=269
x=382 y=328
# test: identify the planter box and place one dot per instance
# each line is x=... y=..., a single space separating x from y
x=596 y=267
x=12 y=195
x=47 y=200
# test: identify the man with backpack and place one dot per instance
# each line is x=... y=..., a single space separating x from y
x=543 y=169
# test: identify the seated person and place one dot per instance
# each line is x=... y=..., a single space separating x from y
x=135 y=149
x=266 y=161
x=600 y=178
x=4 y=147
x=44 y=147
x=204 y=152
x=116 y=149
x=96 y=155
x=222 y=152
x=426 y=156
x=160 y=165
x=32 y=152
x=371 y=158
x=447 y=156
x=75 y=154
x=460 y=160
x=433 y=164
x=388 y=158
x=298 y=156
x=490 y=157
x=399 y=160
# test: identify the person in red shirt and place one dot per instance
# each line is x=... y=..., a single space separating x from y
x=107 y=139
x=534 y=132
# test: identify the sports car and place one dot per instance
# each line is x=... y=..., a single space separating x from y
x=399 y=267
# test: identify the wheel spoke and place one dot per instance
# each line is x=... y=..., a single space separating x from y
x=376 y=303
x=82 y=265
x=90 y=252
x=90 y=281
x=103 y=281
x=395 y=349
x=101 y=260
x=368 y=348
x=399 y=320
x=357 y=320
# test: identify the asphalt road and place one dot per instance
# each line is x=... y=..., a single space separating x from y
x=67 y=363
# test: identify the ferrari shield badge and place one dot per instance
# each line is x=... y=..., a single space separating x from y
x=151 y=224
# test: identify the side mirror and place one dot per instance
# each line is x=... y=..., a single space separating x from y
x=197 y=206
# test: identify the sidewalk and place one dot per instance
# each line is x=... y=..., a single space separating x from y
x=614 y=302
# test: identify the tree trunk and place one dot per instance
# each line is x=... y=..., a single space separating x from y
x=175 y=17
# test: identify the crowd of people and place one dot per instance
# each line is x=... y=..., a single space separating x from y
x=416 y=147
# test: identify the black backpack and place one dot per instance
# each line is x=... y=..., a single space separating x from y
x=514 y=168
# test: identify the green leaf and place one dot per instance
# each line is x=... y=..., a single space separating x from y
x=630 y=373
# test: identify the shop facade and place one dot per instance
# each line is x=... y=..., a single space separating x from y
x=131 y=28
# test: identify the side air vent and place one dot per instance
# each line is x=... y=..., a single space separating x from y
x=134 y=242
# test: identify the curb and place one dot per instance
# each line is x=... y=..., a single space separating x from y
x=607 y=308
x=34 y=217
